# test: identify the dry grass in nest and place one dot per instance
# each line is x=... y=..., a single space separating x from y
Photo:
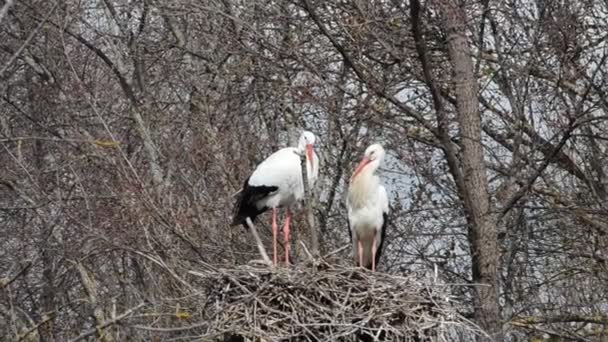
x=323 y=302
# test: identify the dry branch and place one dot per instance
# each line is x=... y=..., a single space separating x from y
x=258 y=241
x=106 y=324
x=311 y=235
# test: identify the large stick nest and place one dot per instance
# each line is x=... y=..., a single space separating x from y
x=323 y=302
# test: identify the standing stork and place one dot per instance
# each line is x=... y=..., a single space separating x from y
x=277 y=182
x=367 y=205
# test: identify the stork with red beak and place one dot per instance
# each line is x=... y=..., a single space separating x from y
x=277 y=182
x=367 y=204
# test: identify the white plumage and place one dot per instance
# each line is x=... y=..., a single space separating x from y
x=282 y=169
x=367 y=204
x=277 y=182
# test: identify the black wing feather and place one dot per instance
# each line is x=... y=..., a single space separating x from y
x=350 y=231
x=246 y=203
x=382 y=236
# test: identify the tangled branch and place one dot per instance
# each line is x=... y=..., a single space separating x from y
x=322 y=302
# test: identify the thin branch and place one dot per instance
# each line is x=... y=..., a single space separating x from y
x=144 y=132
x=482 y=27
x=90 y=287
x=532 y=178
x=107 y=324
x=7 y=282
x=28 y=39
x=442 y=118
x=565 y=318
x=5 y=8
x=45 y=319
x=306 y=250
x=190 y=327
x=349 y=61
x=336 y=251
x=308 y=199
x=258 y=241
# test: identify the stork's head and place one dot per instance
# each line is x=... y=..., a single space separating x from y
x=372 y=158
x=306 y=143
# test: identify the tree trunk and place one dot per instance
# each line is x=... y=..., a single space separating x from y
x=482 y=233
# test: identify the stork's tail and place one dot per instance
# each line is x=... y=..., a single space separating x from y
x=242 y=210
x=246 y=203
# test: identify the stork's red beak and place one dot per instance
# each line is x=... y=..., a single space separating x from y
x=360 y=167
x=309 y=155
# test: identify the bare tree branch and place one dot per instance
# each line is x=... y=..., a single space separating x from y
x=258 y=241
x=4 y=282
x=5 y=8
x=29 y=37
x=108 y=323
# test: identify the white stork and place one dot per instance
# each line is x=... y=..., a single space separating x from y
x=367 y=204
x=277 y=182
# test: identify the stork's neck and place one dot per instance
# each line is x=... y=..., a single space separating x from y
x=367 y=173
x=363 y=186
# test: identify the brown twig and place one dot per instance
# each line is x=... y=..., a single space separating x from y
x=107 y=323
x=324 y=302
x=258 y=241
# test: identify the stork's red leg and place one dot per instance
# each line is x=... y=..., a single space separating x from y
x=360 y=253
x=274 y=235
x=374 y=255
x=286 y=235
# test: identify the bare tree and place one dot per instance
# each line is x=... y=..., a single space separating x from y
x=125 y=127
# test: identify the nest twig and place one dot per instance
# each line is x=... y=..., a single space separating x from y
x=322 y=302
